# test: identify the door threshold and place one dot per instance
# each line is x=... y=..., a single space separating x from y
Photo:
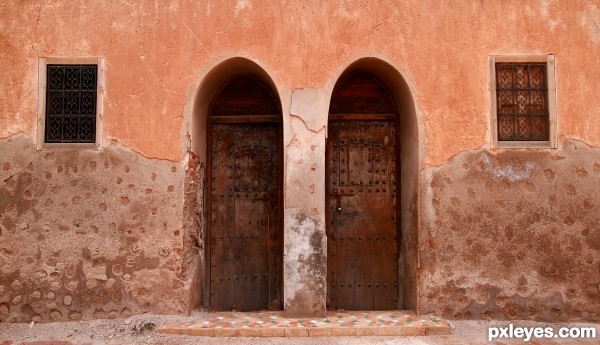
x=334 y=324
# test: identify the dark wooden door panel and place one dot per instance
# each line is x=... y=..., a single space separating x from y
x=245 y=229
x=361 y=215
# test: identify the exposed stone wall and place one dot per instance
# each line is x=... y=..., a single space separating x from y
x=90 y=234
x=513 y=234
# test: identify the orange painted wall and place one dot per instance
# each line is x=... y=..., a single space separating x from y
x=155 y=50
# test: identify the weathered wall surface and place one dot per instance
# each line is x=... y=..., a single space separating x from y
x=154 y=49
x=116 y=255
x=513 y=234
x=88 y=234
x=305 y=242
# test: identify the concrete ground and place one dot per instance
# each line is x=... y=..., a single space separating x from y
x=142 y=329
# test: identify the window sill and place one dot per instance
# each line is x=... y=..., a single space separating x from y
x=523 y=145
x=71 y=146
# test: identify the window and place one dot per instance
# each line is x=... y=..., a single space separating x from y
x=523 y=101
x=70 y=103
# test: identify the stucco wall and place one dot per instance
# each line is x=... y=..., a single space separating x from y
x=155 y=49
x=513 y=235
x=90 y=234
x=157 y=55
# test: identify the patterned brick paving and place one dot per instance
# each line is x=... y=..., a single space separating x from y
x=275 y=324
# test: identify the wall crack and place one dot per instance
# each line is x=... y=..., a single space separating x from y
x=37 y=22
x=20 y=171
x=311 y=106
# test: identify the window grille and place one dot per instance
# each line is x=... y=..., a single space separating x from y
x=522 y=102
x=71 y=96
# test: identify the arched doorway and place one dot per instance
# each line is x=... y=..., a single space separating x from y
x=244 y=158
x=362 y=156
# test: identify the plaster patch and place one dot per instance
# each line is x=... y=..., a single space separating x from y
x=295 y=248
x=308 y=166
x=590 y=19
x=544 y=11
x=312 y=106
x=544 y=8
x=304 y=268
x=511 y=172
x=90 y=272
x=241 y=5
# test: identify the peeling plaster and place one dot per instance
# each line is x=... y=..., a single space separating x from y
x=18 y=156
x=513 y=171
x=513 y=234
x=122 y=146
x=305 y=265
x=296 y=248
x=305 y=244
x=312 y=106
x=87 y=223
x=305 y=157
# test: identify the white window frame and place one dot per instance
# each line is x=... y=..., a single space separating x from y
x=41 y=118
x=551 y=84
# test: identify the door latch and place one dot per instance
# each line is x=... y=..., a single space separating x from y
x=338 y=204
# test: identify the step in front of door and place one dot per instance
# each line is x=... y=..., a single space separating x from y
x=275 y=324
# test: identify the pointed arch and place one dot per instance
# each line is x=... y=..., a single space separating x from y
x=235 y=131
x=384 y=76
x=209 y=83
x=361 y=92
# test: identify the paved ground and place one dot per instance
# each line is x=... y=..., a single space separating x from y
x=143 y=329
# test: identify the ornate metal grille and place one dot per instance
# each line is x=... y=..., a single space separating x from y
x=522 y=101
x=71 y=103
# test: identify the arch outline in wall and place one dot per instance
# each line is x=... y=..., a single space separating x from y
x=411 y=145
x=206 y=86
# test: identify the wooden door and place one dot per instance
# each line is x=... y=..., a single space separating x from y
x=362 y=248
x=245 y=230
